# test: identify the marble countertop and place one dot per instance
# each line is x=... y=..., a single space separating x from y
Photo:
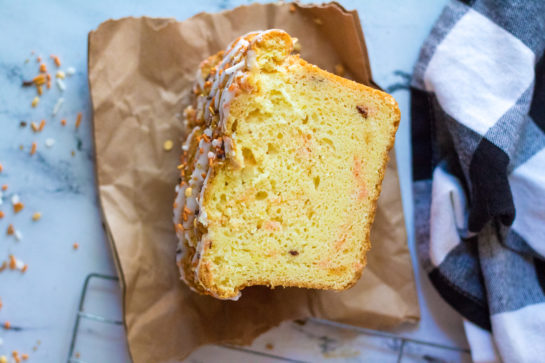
x=58 y=181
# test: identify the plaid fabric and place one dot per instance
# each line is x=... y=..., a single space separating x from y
x=478 y=133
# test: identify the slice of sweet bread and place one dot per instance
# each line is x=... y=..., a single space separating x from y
x=280 y=173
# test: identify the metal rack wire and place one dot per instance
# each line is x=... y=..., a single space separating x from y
x=400 y=340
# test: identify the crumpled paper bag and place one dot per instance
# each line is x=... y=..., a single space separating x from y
x=140 y=73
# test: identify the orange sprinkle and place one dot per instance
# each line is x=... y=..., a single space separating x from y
x=42 y=124
x=33 y=148
x=77 y=355
x=187 y=210
x=56 y=60
x=43 y=68
x=63 y=122
x=25 y=267
x=7 y=325
x=205 y=137
x=175 y=205
x=39 y=90
x=24 y=356
x=75 y=245
x=1 y=168
x=12 y=262
x=39 y=80
x=17 y=207
x=48 y=85
x=78 y=120
x=3 y=266
x=203 y=175
x=34 y=126
x=1 y=214
x=39 y=59
x=48 y=77
x=10 y=230
x=292 y=8
x=184 y=216
x=4 y=187
x=180 y=227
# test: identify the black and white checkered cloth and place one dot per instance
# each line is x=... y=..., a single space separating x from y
x=478 y=133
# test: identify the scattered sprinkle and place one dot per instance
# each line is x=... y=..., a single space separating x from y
x=21 y=147
x=49 y=142
x=75 y=246
x=318 y=21
x=23 y=270
x=4 y=187
x=70 y=71
x=43 y=68
x=188 y=192
x=17 y=207
x=167 y=145
x=60 y=84
x=7 y=325
x=1 y=214
x=15 y=199
x=57 y=106
x=63 y=122
x=60 y=74
x=78 y=120
x=12 y=262
x=269 y=346
x=1 y=168
x=292 y=8
x=56 y=60
x=39 y=59
x=35 y=101
x=10 y=230
x=33 y=148
x=34 y=126
x=77 y=355
x=18 y=235
x=36 y=216
x=3 y=359
x=73 y=153
x=42 y=124
x=22 y=124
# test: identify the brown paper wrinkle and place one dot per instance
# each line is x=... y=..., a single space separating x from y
x=140 y=76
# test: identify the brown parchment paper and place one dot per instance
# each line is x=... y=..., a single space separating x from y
x=140 y=73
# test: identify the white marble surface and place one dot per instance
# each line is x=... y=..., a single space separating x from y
x=43 y=301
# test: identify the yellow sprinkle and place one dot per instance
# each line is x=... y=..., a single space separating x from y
x=36 y=216
x=3 y=359
x=35 y=101
x=60 y=74
x=188 y=192
x=167 y=145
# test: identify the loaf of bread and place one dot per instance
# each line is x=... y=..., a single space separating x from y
x=280 y=173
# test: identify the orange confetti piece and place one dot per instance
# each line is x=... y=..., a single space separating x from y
x=25 y=267
x=42 y=124
x=7 y=325
x=10 y=230
x=78 y=120
x=63 y=122
x=4 y=187
x=1 y=214
x=43 y=68
x=17 y=207
x=12 y=262
x=75 y=246
x=33 y=148
x=56 y=60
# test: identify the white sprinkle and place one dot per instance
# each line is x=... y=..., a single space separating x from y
x=177 y=188
x=216 y=143
x=185 y=147
x=70 y=71
x=211 y=155
x=18 y=235
x=15 y=199
x=19 y=264
x=58 y=105
x=208 y=132
x=234 y=68
x=49 y=142
x=60 y=84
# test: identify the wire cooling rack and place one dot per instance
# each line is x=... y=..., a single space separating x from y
x=396 y=342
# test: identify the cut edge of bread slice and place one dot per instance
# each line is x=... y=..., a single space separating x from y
x=265 y=209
